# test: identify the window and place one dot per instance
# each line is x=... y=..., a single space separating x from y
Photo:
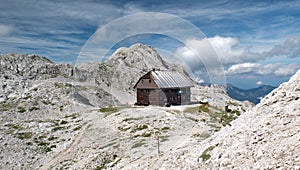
x=150 y=81
x=142 y=81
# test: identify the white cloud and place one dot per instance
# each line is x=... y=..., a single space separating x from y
x=273 y=69
x=227 y=49
x=239 y=59
x=242 y=68
x=259 y=83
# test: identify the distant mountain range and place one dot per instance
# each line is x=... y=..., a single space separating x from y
x=252 y=95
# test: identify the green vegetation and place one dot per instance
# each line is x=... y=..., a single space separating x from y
x=33 y=108
x=24 y=135
x=27 y=97
x=165 y=128
x=21 y=109
x=139 y=144
x=58 y=128
x=77 y=128
x=204 y=108
x=14 y=126
x=63 y=122
x=108 y=109
x=201 y=108
x=192 y=109
x=52 y=138
x=7 y=106
x=146 y=134
x=228 y=117
x=72 y=116
x=205 y=155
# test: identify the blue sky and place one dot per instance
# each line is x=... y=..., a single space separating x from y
x=258 y=42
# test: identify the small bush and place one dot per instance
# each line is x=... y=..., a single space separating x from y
x=52 y=138
x=57 y=128
x=33 y=108
x=24 y=135
x=205 y=155
x=146 y=135
x=165 y=128
x=77 y=128
x=108 y=109
x=63 y=122
x=21 y=109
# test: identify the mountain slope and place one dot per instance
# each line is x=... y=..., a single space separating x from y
x=122 y=70
x=252 y=95
x=265 y=137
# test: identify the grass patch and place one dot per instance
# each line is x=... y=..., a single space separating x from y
x=139 y=144
x=21 y=109
x=42 y=143
x=108 y=109
x=165 y=128
x=24 y=135
x=204 y=108
x=205 y=154
x=33 y=108
x=146 y=135
x=72 y=116
x=58 y=128
x=52 y=138
x=192 y=109
x=14 y=126
x=77 y=128
x=63 y=122
x=201 y=108
x=7 y=106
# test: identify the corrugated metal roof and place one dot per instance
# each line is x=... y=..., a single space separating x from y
x=170 y=79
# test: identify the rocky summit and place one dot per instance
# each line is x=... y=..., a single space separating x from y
x=58 y=116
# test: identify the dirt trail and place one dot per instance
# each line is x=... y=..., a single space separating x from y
x=63 y=155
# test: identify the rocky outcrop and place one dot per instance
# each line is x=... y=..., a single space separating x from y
x=265 y=137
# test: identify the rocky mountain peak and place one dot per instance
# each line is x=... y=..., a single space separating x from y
x=140 y=56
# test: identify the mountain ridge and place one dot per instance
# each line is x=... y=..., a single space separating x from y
x=253 y=95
